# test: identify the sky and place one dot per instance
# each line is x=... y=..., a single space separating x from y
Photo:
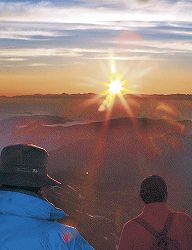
x=69 y=46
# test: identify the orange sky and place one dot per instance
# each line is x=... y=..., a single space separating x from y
x=88 y=78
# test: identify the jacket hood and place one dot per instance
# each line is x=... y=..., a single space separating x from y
x=25 y=205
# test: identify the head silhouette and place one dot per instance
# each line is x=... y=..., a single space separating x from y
x=153 y=189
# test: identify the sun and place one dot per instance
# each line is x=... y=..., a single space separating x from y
x=115 y=87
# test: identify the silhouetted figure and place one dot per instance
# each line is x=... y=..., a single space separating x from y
x=27 y=220
x=157 y=227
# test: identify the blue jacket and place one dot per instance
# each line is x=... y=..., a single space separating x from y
x=29 y=223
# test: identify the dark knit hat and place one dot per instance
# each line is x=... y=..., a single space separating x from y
x=25 y=165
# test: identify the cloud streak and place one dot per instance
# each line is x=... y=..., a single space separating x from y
x=39 y=30
x=135 y=51
x=86 y=14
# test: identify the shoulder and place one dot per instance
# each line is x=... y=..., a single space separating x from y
x=68 y=235
x=128 y=235
x=182 y=218
x=130 y=226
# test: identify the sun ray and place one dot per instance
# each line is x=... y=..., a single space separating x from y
x=127 y=108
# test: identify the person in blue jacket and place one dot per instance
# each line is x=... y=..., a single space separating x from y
x=27 y=220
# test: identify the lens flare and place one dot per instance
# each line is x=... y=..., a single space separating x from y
x=115 y=87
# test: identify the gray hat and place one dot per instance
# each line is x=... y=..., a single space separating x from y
x=25 y=165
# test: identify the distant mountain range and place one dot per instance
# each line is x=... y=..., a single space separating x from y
x=93 y=94
x=85 y=107
x=50 y=95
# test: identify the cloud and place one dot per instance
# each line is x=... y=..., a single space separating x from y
x=27 y=34
x=134 y=50
x=39 y=52
x=48 y=12
x=125 y=58
x=14 y=59
x=39 y=65
x=90 y=29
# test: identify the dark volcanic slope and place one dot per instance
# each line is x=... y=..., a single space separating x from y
x=118 y=143
x=116 y=155
x=119 y=157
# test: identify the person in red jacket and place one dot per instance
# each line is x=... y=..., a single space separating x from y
x=157 y=227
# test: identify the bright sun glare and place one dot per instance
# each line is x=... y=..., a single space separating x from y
x=115 y=87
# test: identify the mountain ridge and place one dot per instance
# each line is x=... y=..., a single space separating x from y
x=38 y=95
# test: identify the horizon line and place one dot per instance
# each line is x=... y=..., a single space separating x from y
x=90 y=93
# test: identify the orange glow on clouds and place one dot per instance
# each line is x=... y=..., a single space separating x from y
x=84 y=78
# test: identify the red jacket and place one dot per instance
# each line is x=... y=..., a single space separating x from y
x=135 y=237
